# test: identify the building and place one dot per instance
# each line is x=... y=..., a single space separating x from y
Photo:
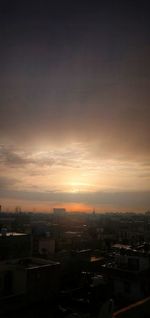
x=14 y=245
x=137 y=310
x=46 y=246
x=26 y=281
x=59 y=211
x=129 y=272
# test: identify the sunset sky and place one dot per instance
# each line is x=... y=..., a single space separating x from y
x=75 y=105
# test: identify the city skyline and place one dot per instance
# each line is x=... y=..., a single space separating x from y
x=74 y=106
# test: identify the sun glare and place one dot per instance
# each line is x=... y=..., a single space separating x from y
x=77 y=186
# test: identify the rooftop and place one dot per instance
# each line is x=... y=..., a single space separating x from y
x=136 y=310
x=31 y=263
x=8 y=234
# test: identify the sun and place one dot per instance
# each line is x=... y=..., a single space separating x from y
x=76 y=186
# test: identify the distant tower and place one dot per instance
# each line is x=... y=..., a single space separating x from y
x=94 y=212
x=17 y=209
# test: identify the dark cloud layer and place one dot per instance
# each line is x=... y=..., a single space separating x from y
x=78 y=72
x=124 y=199
x=7 y=183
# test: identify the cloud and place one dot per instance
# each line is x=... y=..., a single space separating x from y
x=7 y=183
x=103 y=103
x=10 y=157
x=70 y=156
x=127 y=199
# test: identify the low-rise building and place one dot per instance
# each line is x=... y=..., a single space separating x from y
x=46 y=246
x=129 y=272
x=136 y=310
x=14 y=245
x=28 y=280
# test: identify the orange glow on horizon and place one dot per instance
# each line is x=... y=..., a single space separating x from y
x=10 y=206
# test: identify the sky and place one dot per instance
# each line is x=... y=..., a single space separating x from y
x=74 y=105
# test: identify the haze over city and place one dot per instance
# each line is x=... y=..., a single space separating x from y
x=74 y=105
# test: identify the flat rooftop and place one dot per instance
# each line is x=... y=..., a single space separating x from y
x=8 y=234
x=31 y=263
x=36 y=263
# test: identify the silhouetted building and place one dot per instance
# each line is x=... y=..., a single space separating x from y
x=129 y=271
x=135 y=310
x=14 y=245
x=59 y=211
x=46 y=246
x=27 y=280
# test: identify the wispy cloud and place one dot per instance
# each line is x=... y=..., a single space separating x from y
x=11 y=156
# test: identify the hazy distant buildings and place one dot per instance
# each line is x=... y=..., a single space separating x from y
x=59 y=211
